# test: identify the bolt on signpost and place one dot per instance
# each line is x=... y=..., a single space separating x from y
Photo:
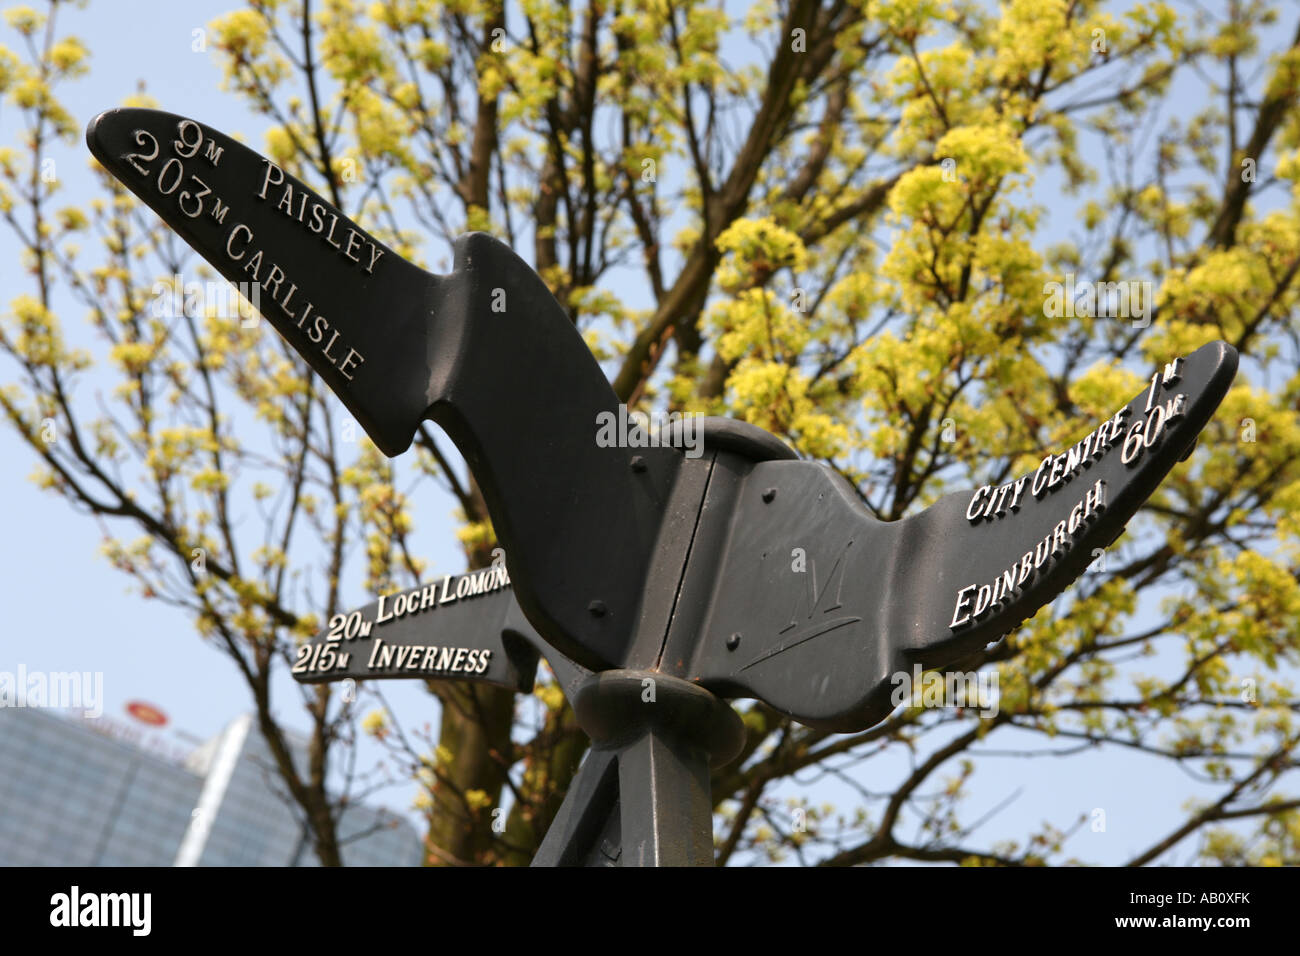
x=657 y=584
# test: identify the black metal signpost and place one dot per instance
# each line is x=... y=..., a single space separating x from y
x=657 y=585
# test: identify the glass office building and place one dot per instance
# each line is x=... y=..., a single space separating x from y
x=72 y=797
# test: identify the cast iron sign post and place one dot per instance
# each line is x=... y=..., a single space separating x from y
x=657 y=583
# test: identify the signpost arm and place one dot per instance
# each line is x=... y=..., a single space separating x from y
x=486 y=352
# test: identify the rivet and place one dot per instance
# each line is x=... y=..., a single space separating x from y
x=638 y=463
x=733 y=642
x=769 y=495
x=597 y=608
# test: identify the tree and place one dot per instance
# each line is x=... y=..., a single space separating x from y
x=829 y=205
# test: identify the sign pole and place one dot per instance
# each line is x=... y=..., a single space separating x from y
x=643 y=798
